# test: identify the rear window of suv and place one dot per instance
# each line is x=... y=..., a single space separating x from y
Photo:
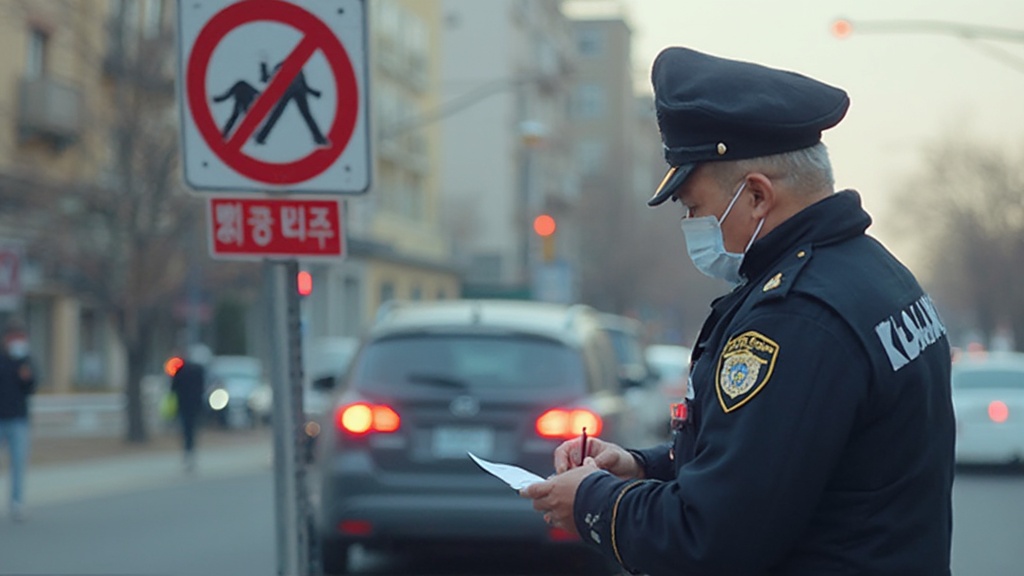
x=468 y=363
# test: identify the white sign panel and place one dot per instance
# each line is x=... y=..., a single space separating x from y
x=273 y=95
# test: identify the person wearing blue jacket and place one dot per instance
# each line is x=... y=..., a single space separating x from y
x=819 y=438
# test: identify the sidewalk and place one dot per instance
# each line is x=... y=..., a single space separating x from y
x=49 y=450
x=72 y=468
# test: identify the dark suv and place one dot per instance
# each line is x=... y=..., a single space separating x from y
x=432 y=381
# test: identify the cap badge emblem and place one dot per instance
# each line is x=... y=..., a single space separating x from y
x=722 y=149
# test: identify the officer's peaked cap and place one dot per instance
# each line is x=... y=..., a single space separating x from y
x=713 y=109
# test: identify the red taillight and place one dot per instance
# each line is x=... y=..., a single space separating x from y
x=998 y=411
x=566 y=424
x=355 y=527
x=362 y=418
x=559 y=535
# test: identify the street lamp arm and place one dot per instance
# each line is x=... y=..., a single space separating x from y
x=844 y=27
x=969 y=31
x=999 y=54
x=456 y=104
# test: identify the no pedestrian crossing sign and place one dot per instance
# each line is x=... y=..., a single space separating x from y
x=273 y=95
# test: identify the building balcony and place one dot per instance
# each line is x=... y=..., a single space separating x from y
x=49 y=109
x=148 y=63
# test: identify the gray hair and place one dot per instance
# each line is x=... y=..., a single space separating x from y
x=806 y=171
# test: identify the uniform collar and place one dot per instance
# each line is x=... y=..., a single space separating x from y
x=835 y=218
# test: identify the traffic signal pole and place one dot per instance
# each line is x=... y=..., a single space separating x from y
x=295 y=538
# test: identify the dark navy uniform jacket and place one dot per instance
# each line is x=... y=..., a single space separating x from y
x=820 y=439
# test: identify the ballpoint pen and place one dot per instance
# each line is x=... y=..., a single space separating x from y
x=583 y=447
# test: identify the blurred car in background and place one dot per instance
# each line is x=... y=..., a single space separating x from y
x=433 y=381
x=237 y=392
x=671 y=366
x=626 y=335
x=988 y=399
x=649 y=425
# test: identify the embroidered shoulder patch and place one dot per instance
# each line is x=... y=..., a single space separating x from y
x=746 y=364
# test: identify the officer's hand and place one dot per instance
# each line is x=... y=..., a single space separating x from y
x=555 y=496
x=607 y=456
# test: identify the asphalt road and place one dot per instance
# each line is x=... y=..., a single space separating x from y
x=217 y=526
x=988 y=522
x=144 y=515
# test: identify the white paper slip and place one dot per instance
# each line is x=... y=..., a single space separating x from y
x=514 y=476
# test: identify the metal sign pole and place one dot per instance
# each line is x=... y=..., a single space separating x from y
x=291 y=498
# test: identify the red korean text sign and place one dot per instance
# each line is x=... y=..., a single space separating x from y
x=256 y=228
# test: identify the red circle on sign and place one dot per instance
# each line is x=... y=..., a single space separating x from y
x=317 y=37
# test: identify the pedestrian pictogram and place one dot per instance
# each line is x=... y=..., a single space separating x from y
x=243 y=94
x=274 y=95
x=298 y=92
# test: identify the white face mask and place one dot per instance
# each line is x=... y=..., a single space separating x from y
x=706 y=246
x=17 y=348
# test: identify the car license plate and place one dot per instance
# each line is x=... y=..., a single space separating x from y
x=449 y=442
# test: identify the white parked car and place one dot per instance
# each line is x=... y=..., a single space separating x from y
x=988 y=398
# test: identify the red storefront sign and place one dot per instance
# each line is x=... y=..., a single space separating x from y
x=257 y=228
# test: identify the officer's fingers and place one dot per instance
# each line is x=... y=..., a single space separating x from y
x=563 y=457
x=618 y=462
x=543 y=504
x=536 y=490
x=606 y=460
x=598 y=447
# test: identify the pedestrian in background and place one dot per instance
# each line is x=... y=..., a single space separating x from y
x=17 y=383
x=820 y=437
x=189 y=385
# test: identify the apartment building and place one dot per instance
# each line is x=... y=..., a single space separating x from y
x=396 y=245
x=507 y=150
x=54 y=113
x=59 y=109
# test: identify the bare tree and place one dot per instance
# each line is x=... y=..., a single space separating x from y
x=120 y=238
x=964 y=213
x=635 y=260
x=130 y=249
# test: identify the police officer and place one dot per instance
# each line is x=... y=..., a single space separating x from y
x=820 y=436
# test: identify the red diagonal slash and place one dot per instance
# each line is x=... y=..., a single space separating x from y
x=279 y=83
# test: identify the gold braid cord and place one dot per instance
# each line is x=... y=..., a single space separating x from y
x=615 y=515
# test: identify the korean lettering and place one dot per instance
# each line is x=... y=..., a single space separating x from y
x=320 y=225
x=230 y=229
x=293 y=222
x=262 y=222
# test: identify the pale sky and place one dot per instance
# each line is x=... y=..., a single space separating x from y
x=906 y=89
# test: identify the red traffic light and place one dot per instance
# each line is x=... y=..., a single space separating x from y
x=544 y=225
x=304 y=283
x=842 y=28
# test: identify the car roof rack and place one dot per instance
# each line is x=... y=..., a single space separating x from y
x=573 y=313
x=386 y=309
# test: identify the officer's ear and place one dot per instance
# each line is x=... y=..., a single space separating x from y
x=763 y=194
